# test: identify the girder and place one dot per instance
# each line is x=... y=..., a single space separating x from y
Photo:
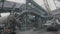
x=37 y=8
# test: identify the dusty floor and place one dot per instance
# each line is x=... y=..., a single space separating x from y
x=36 y=32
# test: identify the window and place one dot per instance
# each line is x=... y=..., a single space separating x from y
x=40 y=2
x=50 y=3
x=57 y=3
x=5 y=14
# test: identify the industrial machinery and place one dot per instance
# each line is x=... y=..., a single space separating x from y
x=29 y=14
x=29 y=17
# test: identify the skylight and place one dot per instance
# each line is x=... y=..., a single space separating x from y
x=50 y=3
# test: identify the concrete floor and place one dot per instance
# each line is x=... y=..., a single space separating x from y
x=35 y=32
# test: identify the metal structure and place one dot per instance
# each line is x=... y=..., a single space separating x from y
x=29 y=15
x=33 y=10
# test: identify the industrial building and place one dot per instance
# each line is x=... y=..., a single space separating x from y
x=29 y=17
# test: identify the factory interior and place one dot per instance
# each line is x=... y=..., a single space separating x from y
x=29 y=16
